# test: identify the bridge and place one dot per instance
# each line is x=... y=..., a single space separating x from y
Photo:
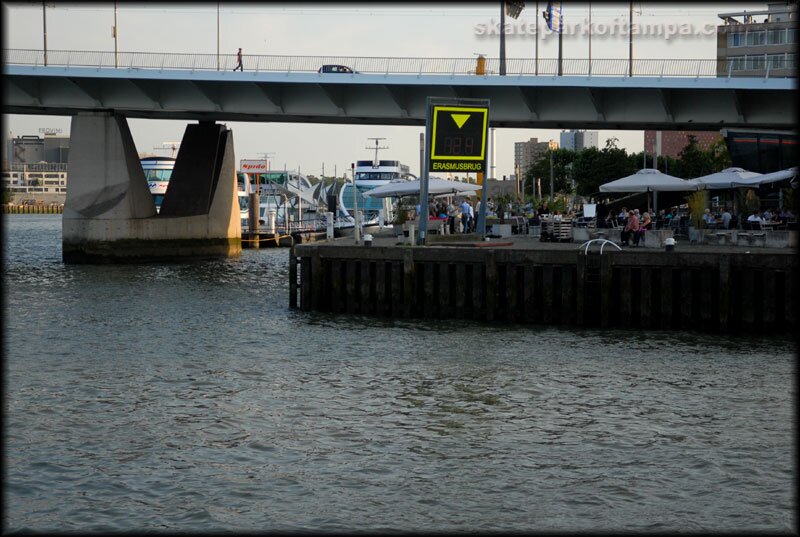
x=109 y=215
x=596 y=94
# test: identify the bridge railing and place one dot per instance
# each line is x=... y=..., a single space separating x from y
x=390 y=65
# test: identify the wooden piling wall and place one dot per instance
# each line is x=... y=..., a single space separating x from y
x=645 y=290
x=33 y=209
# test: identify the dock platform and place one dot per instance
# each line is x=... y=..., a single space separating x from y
x=520 y=279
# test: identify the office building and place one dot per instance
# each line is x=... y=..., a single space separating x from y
x=577 y=140
x=673 y=142
x=758 y=43
x=35 y=167
x=527 y=153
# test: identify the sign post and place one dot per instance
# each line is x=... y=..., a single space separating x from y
x=456 y=130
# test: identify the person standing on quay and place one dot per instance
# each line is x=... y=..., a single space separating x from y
x=465 y=209
x=239 y=61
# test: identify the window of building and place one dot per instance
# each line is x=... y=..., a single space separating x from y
x=777 y=61
x=756 y=38
x=736 y=63
x=736 y=39
x=791 y=63
x=791 y=35
x=776 y=37
x=754 y=63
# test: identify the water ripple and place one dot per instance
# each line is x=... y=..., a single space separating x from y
x=188 y=397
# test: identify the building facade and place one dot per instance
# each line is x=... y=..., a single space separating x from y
x=35 y=168
x=527 y=153
x=758 y=43
x=577 y=140
x=673 y=142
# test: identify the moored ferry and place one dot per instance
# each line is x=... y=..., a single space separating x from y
x=157 y=172
x=370 y=174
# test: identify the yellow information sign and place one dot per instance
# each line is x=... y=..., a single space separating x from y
x=458 y=138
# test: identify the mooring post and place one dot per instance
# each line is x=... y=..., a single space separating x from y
x=408 y=281
x=580 y=288
x=724 y=291
x=292 y=279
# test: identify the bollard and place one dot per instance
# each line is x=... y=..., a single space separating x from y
x=411 y=235
x=329 y=221
x=367 y=240
x=669 y=244
x=253 y=206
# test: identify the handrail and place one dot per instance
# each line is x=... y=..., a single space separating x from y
x=690 y=68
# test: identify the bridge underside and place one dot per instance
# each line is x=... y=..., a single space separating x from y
x=518 y=102
x=110 y=215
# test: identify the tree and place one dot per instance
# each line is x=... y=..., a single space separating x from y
x=562 y=182
x=718 y=153
x=693 y=161
x=593 y=167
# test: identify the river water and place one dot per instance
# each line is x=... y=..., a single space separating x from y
x=189 y=397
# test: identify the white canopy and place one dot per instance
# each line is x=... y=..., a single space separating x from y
x=762 y=179
x=409 y=188
x=725 y=179
x=649 y=180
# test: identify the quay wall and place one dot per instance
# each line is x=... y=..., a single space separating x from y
x=715 y=292
x=33 y=209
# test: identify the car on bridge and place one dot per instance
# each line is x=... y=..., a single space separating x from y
x=336 y=69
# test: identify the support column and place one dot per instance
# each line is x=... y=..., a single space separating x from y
x=109 y=213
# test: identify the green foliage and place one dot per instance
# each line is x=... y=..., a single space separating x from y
x=559 y=204
x=562 y=182
x=593 y=167
x=401 y=214
x=6 y=196
x=720 y=158
x=697 y=201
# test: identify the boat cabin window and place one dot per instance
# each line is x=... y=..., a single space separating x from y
x=373 y=176
x=157 y=175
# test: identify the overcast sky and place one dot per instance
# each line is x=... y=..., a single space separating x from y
x=404 y=30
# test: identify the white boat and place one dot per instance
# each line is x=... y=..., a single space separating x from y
x=295 y=203
x=157 y=172
x=369 y=174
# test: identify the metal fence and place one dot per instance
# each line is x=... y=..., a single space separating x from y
x=383 y=65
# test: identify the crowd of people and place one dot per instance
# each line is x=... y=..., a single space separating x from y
x=462 y=215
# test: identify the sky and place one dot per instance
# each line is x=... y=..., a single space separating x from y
x=453 y=30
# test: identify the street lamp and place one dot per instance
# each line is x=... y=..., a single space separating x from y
x=44 y=32
x=513 y=8
x=116 y=33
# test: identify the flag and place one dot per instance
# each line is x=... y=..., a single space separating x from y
x=552 y=16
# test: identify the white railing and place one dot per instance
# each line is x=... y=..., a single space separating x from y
x=694 y=68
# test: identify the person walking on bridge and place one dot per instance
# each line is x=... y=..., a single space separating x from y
x=239 y=61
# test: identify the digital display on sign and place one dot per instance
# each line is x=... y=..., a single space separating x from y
x=458 y=138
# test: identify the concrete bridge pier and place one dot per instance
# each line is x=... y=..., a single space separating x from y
x=109 y=213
